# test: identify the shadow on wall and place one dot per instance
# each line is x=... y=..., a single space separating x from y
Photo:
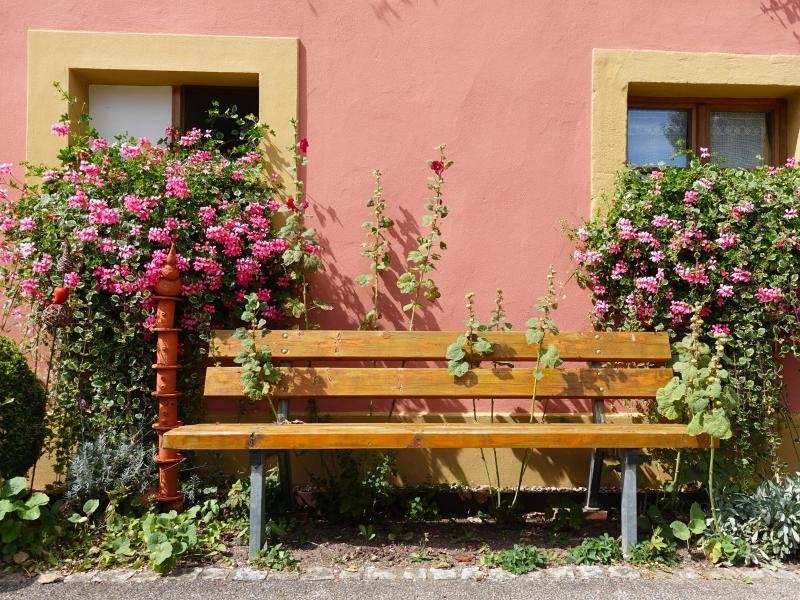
x=785 y=12
x=343 y=293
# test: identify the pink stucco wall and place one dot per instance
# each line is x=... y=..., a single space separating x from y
x=507 y=85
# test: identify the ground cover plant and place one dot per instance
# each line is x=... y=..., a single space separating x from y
x=720 y=243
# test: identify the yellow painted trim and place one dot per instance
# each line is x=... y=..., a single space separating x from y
x=616 y=74
x=77 y=59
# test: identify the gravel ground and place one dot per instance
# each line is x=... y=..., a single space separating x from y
x=471 y=583
x=519 y=588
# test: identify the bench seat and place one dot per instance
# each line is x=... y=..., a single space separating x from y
x=330 y=436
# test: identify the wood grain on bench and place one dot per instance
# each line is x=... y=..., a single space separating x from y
x=392 y=382
x=432 y=345
x=272 y=436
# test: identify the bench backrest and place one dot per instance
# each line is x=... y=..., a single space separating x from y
x=617 y=378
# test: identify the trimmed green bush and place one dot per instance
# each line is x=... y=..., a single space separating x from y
x=22 y=408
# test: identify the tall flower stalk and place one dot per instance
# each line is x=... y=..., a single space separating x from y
x=546 y=358
x=377 y=250
x=416 y=281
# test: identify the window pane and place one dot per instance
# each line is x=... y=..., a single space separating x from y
x=739 y=137
x=138 y=110
x=653 y=136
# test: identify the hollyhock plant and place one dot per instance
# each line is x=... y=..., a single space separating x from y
x=109 y=211
x=724 y=240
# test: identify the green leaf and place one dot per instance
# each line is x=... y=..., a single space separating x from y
x=534 y=336
x=29 y=514
x=90 y=506
x=6 y=506
x=14 y=486
x=483 y=346
x=459 y=369
x=37 y=499
x=364 y=280
x=695 y=426
x=76 y=518
x=161 y=553
x=680 y=530
x=717 y=424
x=550 y=358
x=455 y=351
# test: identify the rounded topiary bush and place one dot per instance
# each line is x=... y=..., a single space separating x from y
x=22 y=409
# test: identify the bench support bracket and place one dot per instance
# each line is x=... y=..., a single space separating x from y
x=257 y=501
x=596 y=462
x=284 y=460
x=628 y=516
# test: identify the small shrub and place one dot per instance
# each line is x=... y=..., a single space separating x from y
x=602 y=550
x=117 y=466
x=768 y=517
x=22 y=411
x=565 y=514
x=522 y=559
x=656 y=551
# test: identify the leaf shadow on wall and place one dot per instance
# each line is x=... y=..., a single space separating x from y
x=785 y=12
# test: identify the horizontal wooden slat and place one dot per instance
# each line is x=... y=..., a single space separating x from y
x=385 y=382
x=257 y=436
x=432 y=345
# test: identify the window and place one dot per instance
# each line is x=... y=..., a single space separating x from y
x=739 y=132
x=146 y=110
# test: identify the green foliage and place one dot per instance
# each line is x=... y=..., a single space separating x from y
x=377 y=250
x=109 y=466
x=601 y=550
x=168 y=536
x=564 y=514
x=416 y=281
x=726 y=549
x=22 y=412
x=470 y=347
x=255 y=358
x=422 y=507
x=521 y=559
x=276 y=557
x=721 y=238
x=657 y=551
x=697 y=524
x=698 y=394
x=357 y=490
x=27 y=523
x=769 y=517
x=366 y=532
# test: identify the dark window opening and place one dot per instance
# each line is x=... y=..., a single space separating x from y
x=196 y=101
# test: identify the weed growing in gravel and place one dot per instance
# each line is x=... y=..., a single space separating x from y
x=601 y=550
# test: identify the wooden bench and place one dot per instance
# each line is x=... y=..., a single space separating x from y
x=620 y=366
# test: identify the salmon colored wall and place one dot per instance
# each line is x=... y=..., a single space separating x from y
x=506 y=85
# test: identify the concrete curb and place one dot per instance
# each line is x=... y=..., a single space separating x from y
x=372 y=573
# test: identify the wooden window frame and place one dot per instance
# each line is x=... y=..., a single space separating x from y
x=700 y=110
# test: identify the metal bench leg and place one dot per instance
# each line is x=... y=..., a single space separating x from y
x=284 y=462
x=628 y=516
x=257 y=501
x=596 y=462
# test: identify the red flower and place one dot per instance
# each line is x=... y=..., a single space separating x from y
x=290 y=203
x=302 y=146
x=437 y=167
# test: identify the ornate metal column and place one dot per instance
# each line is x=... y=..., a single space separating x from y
x=167 y=294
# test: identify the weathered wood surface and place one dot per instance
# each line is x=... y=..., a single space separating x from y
x=266 y=436
x=432 y=345
x=386 y=382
